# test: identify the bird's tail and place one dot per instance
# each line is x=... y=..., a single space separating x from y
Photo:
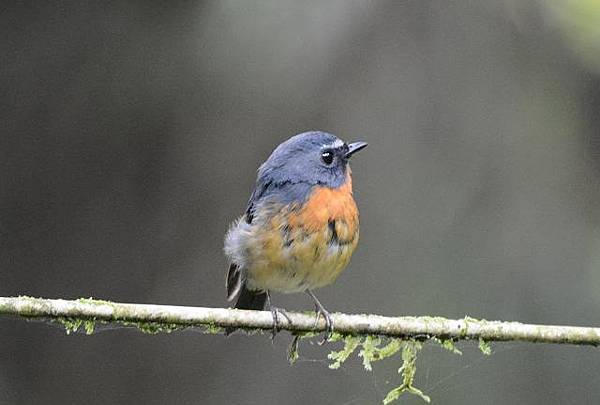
x=251 y=299
x=246 y=299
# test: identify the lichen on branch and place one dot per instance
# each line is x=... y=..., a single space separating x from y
x=377 y=337
x=167 y=318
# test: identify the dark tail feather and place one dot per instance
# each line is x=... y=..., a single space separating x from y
x=249 y=300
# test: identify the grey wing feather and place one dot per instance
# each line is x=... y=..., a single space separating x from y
x=284 y=192
x=235 y=277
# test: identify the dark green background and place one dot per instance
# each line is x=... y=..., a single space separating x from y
x=130 y=136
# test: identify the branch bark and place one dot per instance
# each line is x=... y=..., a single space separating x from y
x=167 y=318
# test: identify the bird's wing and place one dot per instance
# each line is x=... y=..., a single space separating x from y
x=265 y=191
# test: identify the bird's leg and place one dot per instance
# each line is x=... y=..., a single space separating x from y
x=275 y=314
x=320 y=310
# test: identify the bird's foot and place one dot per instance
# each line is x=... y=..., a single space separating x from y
x=328 y=323
x=320 y=310
x=275 y=313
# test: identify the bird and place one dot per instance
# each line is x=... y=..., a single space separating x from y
x=300 y=226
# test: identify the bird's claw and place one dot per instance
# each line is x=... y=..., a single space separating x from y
x=275 y=312
x=320 y=310
x=328 y=323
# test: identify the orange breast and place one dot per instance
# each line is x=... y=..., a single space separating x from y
x=308 y=246
x=326 y=205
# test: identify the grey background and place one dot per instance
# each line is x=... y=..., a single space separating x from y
x=130 y=136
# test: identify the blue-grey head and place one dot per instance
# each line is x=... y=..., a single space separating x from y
x=312 y=158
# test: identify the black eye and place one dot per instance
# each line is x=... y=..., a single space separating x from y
x=327 y=157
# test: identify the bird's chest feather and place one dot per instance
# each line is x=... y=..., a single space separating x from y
x=306 y=246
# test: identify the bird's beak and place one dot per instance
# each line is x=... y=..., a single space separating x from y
x=355 y=147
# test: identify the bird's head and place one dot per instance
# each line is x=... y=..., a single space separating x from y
x=315 y=158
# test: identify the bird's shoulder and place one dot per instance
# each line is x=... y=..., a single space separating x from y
x=277 y=195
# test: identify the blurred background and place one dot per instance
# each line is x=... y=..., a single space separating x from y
x=131 y=133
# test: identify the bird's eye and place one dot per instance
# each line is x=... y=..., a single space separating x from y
x=327 y=157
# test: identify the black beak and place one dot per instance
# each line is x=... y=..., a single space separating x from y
x=355 y=147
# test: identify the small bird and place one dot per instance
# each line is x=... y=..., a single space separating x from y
x=300 y=226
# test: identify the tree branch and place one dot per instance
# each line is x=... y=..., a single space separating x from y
x=156 y=318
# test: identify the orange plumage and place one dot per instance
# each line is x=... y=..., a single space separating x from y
x=326 y=204
x=308 y=246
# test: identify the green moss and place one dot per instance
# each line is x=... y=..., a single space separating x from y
x=153 y=328
x=350 y=345
x=369 y=351
x=374 y=348
x=88 y=326
x=410 y=349
x=212 y=329
x=389 y=349
x=71 y=324
x=448 y=344
x=293 y=354
x=485 y=347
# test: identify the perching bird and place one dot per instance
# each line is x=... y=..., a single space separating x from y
x=300 y=227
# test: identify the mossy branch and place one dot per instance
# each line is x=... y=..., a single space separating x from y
x=159 y=318
x=377 y=337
